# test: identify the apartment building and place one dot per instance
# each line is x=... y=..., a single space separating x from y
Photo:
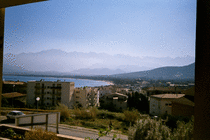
x=50 y=93
x=104 y=90
x=85 y=97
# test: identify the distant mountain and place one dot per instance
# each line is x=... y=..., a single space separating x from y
x=101 y=71
x=86 y=63
x=185 y=72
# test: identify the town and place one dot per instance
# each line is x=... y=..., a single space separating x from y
x=160 y=99
x=156 y=100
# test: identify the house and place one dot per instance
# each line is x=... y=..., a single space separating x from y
x=116 y=101
x=106 y=90
x=161 y=104
x=122 y=90
x=50 y=93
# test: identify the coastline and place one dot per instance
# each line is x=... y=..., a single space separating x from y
x=108 y=82
x=75 y=78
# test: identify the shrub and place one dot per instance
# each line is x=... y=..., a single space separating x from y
x=85 y=114
x=131 y=116
x=184 y=130
x=171 y=121
x=93 y=112
x=104 y=114
x=64 y=111
x=39 y=134
x=81 y=113
x=149 y=129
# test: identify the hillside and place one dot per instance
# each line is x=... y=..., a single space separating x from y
x=185 y=72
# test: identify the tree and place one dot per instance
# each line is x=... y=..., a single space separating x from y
x=139 y=102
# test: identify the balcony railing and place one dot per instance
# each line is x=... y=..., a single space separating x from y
x=40 y=87
x=58 y=87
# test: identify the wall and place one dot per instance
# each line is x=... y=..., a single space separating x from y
x=182 y=110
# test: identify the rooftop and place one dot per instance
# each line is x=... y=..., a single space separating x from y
x=13 y=83
x=164 y=89
x=13 y=95
x=184 y=101
x=168 y=96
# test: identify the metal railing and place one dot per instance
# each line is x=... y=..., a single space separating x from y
x=38 y=119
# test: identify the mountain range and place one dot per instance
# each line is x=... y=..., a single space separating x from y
x=91 y=63
x=163 y=73
x=57 y=62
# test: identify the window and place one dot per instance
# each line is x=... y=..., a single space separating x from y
x=37 y=84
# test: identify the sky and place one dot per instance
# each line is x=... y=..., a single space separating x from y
x=156 y=28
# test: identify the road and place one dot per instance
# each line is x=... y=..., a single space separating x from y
x=71 y=130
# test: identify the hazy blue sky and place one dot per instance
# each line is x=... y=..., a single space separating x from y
x=133 y=27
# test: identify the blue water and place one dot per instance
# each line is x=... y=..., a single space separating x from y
x=78 y=82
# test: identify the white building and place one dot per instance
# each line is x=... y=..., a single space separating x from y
x=50 y=93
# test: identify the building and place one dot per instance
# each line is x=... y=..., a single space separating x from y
x=115 y=101
x=161 y=104
x=106 y=90
x=14 y=86
x=182 y=107
x=162 y=90
x=13 y=99
x=94 y=97
x=50 y=93
x=85 y=97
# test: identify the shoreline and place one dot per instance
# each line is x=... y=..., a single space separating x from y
x=56 y=76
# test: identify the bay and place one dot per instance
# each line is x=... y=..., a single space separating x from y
x=78 y=82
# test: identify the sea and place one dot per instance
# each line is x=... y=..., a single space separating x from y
x=78 y=82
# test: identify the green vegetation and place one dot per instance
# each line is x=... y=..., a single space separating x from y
x=131 y=116
x=85 y=114
x=132 y=123
x=138 y=101
x=98 y=119
x=149 y=129
x=64 y=111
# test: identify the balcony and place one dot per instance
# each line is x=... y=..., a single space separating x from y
x=40 y=87
x=58 y=87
